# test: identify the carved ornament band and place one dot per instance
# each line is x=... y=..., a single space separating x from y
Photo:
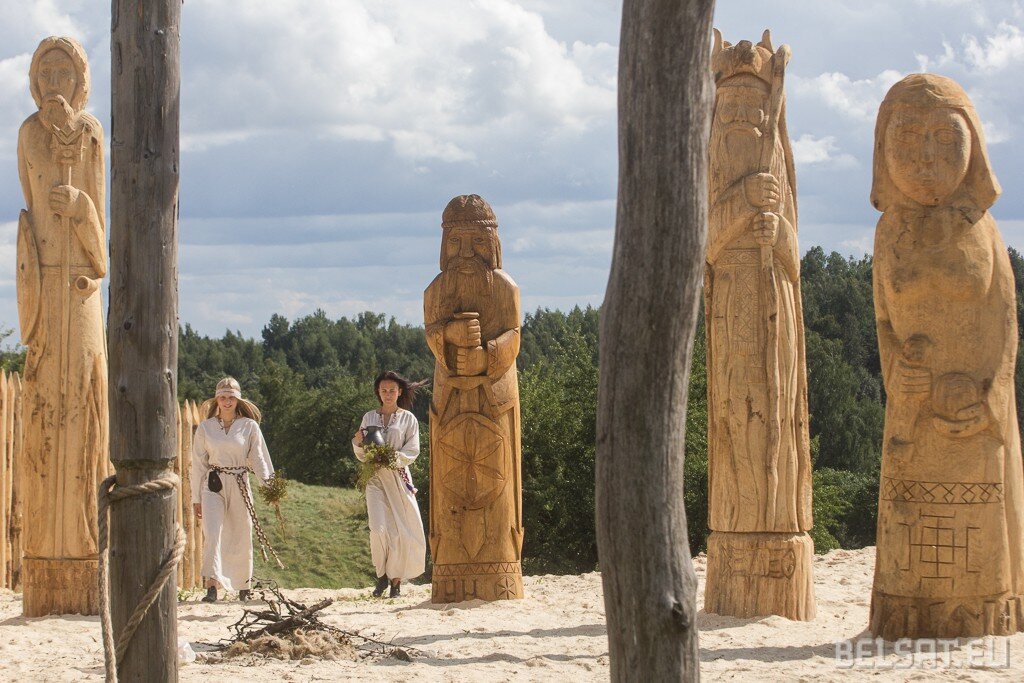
x=951 y=493
x=469 y=569
x=480 y=223
x=740 y=257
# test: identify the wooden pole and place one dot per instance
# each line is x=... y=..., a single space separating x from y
x=17 y=522
x=142 y=321
x=5 y=485
x=647 y=327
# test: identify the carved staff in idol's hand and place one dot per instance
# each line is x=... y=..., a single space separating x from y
x=769 y=291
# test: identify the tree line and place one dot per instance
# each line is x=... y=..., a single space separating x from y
x=313 y=379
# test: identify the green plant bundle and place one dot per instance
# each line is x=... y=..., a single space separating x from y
x=276 y=488
x=377 y=457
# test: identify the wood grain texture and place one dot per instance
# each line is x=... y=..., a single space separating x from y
x=647 y=326
x=61 y=262
x=950 y=558
x=759 y=457
x=472 y=317
x=143 y=320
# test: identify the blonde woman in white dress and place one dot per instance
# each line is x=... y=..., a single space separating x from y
x=397 y=543
x=230 y=443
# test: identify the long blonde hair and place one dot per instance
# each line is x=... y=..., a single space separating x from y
x=244 y=407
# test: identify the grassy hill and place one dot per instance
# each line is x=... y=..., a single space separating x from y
x=324 y=542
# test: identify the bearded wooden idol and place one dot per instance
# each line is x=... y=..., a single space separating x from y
x=472 y=323
x=950 y=558
x=62 y=259
x=759 y=469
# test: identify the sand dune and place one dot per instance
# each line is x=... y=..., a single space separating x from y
x=557 y=633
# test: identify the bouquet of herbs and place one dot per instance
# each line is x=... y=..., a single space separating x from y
x=273 y=492
x=377 y=456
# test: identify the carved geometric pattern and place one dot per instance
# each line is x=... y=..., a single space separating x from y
x=937 y=546
x=505 y=588
x=746 y=307
x=951 y=493
x=773 y=563
x=476 y=568
x=476 y=446
x=740 y=257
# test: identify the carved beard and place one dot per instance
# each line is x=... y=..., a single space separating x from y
x=479 y=277
x=735 y=153
x=57 y=113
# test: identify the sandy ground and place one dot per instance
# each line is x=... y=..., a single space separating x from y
x=557 y=633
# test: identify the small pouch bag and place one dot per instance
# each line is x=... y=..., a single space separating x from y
x=213 y=482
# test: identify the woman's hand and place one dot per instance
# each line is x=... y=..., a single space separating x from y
x=358 y=438
x=198 y=509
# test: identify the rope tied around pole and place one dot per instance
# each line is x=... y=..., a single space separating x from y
x=108 y=494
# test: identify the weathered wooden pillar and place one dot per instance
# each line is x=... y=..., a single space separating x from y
x=647 y=327
x=16 y=523
x=142 y=321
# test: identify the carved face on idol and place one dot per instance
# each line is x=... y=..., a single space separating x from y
x=467 y=250
x=57 y=75
x=927 y=152
x=739 y=120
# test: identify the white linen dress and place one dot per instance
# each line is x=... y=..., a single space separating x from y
x=397 y=543
x=227 y=528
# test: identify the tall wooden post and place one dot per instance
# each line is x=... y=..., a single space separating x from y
x=142 y=321
x=647 y=327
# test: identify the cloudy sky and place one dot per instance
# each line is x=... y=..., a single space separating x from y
x=322 y=138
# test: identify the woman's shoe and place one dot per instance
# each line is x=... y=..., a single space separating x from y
x=211 y=594
x=382 y=583
x=244 y=595
x=396 y=590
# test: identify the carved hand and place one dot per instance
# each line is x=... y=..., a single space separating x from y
x=766 y=228
x=762 y=190
x=471 y=362
x=912 y=380
x=66 y=201
x=464 y=333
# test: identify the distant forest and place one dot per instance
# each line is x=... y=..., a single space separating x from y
x=312 y=378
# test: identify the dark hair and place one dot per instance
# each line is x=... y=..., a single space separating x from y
x=408 y=388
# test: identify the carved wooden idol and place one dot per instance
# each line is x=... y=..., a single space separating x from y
x=62 y=259
x=471 y=311
x=950 y=556
x=759 y=469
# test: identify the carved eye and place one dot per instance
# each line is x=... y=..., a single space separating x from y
x=946 y=136
x=478 y=240
x=909 y=135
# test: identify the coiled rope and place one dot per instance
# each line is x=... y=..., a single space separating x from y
x=108 y=495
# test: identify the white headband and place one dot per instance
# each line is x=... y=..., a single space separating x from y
x=229 y=392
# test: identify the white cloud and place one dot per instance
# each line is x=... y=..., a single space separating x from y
x=810 y=150
x=996 y=51
x=436 y=79
x=857 y=99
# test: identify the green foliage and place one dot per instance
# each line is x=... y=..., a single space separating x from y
x=559 y=425
x=12 y=358
x=843 y=367
x=845 y=509
x=695 y=467
x=1017 y=265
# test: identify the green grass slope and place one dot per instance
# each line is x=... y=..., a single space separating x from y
x=324 y=542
